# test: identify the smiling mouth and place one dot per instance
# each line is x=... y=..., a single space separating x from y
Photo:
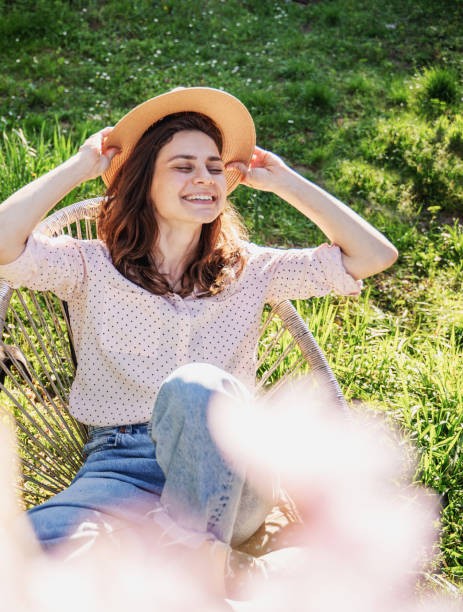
x=207 y=199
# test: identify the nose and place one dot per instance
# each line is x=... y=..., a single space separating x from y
x=203 y=177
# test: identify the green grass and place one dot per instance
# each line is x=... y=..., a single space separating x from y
x=363 y=97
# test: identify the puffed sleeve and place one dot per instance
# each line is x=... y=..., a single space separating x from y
x=304 y=273
x=54 y=264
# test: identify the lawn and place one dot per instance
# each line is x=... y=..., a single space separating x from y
x=364 y=98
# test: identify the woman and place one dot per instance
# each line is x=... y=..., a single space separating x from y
x=165 y=309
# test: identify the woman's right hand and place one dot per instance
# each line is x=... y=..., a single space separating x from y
x=95 y=158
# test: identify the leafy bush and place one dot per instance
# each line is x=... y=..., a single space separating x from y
x=439 y=84
x=331 y=14
x=317 y=95
x=437 y=90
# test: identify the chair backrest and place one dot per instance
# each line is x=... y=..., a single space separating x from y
x=37 y=366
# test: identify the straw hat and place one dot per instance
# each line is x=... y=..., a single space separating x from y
x=228 y=113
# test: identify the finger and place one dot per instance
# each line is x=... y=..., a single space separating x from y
x=259 y=157
x=104 y=133
x=237 y=165
x=112 y=152
x=259 y=152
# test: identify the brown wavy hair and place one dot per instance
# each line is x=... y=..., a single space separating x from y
x=126 y=221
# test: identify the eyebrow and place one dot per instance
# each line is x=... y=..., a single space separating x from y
x=212 y=158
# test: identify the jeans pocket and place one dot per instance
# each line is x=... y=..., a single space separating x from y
x=99 y=443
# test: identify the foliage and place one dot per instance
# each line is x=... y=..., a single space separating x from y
x=438 y=88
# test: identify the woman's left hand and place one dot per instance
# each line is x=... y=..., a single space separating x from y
x=264 y=172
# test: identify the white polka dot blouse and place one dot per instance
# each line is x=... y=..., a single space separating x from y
x=128 y=340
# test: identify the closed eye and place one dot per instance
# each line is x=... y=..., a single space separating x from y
x=188 y=168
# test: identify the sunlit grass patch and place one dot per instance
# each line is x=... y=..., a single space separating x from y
x=418 y=153
x=454 y=136
x=359 y=179
x=397 y=92
x=360 y=84
x=439 y=84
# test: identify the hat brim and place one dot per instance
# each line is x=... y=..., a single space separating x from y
x=228 y=113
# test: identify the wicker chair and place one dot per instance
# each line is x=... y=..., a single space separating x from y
x=37 y=364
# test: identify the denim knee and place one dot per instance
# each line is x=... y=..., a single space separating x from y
x=191 y=387
x=206 y=375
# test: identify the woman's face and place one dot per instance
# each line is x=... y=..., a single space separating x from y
x=189 y=180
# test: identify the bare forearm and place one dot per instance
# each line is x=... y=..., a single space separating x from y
x=22 y=211
x=365 y=251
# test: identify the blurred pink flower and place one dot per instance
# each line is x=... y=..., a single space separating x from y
x=368 y=533
x=366 y=537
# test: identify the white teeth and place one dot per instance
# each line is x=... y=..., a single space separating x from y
x=199 y=197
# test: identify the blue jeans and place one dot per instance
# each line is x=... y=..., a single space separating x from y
x=171 y=463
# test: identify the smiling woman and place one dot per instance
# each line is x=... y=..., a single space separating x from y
x=188 y=191
x=165 y=309
x=170 y=200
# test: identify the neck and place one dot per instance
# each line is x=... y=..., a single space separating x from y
x=175 y=248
